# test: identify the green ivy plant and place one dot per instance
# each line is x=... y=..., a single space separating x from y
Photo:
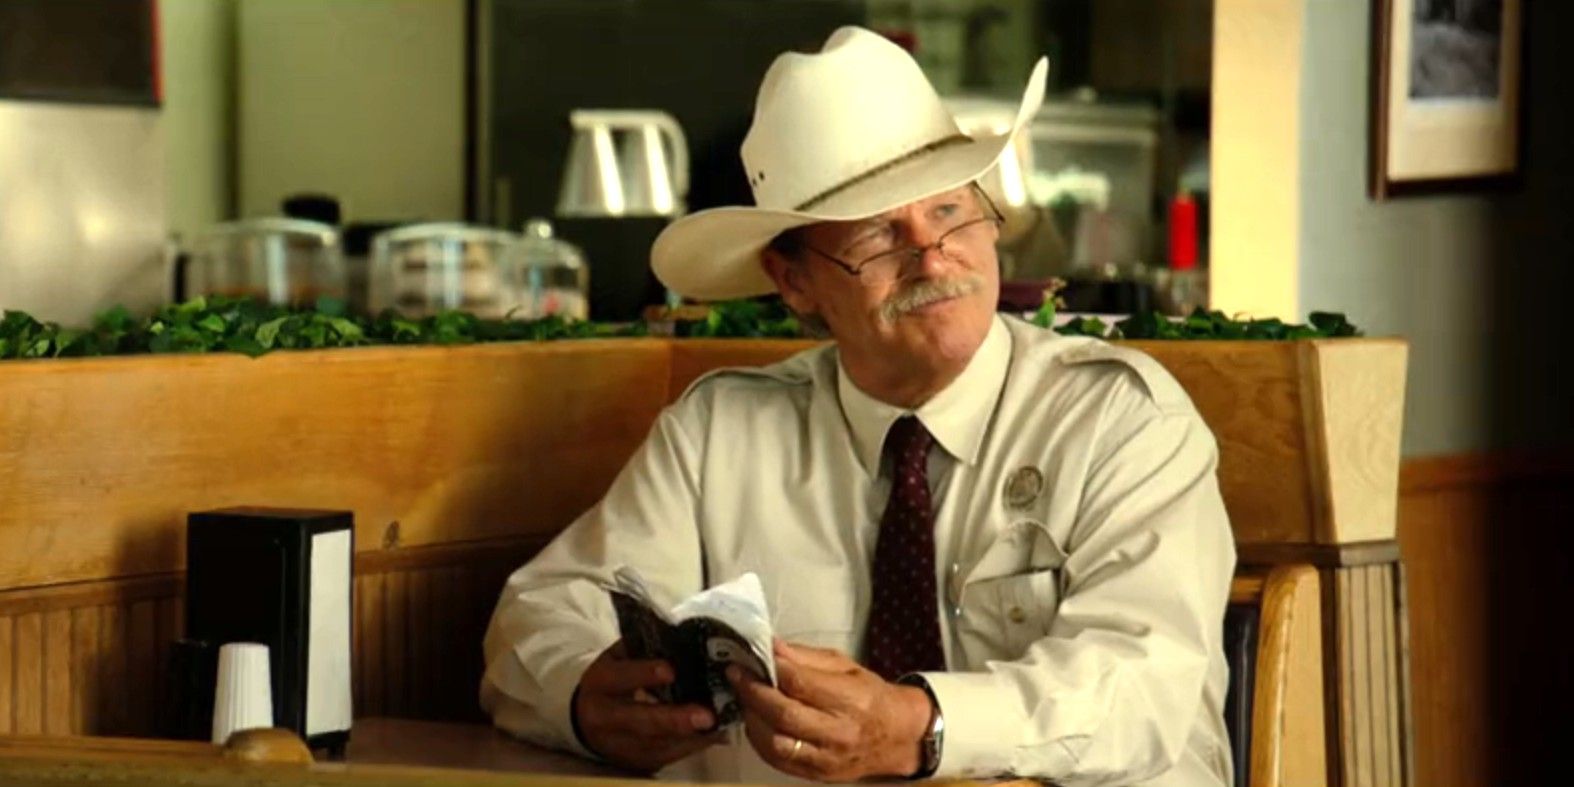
x=251 y=327
x=755 y=319
x=1200 y=324
x=22 y=336
x=248 y=326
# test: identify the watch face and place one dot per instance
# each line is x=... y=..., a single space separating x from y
x=928 y=746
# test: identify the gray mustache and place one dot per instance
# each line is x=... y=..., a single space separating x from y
x=927 y=291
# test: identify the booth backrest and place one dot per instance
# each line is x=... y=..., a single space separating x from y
x=459 y=463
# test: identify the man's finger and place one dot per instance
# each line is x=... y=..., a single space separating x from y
x=815 y=688
x=818 y=658
x=615 y=676
x=784 y=752
x=783 y=713
x=658 y=721
x=803 y=757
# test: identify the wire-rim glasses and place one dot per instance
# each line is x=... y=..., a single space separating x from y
x=901 y=255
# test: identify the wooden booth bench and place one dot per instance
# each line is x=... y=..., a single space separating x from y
x=461 y=462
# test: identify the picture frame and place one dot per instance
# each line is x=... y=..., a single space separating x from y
x=1446 y=87
x=103 y=52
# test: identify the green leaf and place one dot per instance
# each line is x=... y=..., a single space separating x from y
x=1084 y=326
x=1045 y=316
x=346 y=329
x=245 y=345
x=114 y=319
x=268 y=332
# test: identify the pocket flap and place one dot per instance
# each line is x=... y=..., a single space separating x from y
x=1024 y=547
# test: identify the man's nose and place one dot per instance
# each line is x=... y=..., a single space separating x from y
x=932 y=261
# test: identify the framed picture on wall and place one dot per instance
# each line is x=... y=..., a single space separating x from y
x=1445 y=94
x=80 y=52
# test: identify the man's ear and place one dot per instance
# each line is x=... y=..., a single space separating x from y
x=788 y=277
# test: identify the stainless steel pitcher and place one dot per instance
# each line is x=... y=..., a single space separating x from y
x=625 y=162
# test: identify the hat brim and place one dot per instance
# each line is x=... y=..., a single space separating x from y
x=715 y=254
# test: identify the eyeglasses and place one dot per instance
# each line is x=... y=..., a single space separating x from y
x=886 y=265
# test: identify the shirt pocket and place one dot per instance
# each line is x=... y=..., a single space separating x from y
x=815 y=606
x=1005 y=613
x=1010 y=613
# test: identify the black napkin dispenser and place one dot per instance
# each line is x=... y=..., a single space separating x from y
x=281 y=577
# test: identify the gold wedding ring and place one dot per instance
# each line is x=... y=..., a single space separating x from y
x=797 y=744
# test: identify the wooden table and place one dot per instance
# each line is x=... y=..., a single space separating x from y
x=432 y=744
x=383 y=752
x=435 y=744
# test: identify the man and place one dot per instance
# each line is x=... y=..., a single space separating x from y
x=987 y=549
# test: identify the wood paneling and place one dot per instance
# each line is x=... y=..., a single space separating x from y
x=435 y=445
x=1487 y=550
x=1262 y=441
x=7 y=675
x=92 y=658
x=1354 y=396
x=86 y=658
x=1372 y=742
x=438 y=444
x=1486 y=560
x=458 y=462
x=1321 y=555
x=1451 y=534
x=419 y=617
x=1308 y=433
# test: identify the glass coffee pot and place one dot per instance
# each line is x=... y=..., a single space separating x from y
x=281 y=261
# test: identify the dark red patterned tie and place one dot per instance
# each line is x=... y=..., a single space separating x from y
x=904 y=617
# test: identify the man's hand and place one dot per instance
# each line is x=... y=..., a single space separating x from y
x=621 y=722
x=831 y=719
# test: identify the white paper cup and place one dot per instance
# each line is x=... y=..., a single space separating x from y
x=243 y=695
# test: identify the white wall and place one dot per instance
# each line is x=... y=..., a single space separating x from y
x=1480 y=282
x=81 y=209
x=363 y=99
x=197 y=39
x=1446 y=272
x=1256 y=160
x=1414 y=267
x=88 y=194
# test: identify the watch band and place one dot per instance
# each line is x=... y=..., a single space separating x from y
x=931 y=744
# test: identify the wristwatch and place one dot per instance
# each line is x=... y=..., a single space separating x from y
x=930 y=745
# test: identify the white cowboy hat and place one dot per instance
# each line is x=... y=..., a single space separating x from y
x=843 y=134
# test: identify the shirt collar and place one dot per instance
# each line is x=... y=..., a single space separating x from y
x=957 y=416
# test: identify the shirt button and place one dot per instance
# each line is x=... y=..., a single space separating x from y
x=1016 y=615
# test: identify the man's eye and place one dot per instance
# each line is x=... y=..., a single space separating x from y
x=873 y=241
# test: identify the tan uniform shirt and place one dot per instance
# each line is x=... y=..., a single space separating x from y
x=1082 y=551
